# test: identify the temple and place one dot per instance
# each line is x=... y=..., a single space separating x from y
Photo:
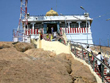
x=76 y=27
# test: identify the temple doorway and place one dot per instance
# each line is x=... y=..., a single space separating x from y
x=49 y=26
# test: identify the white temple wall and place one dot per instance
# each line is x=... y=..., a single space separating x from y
x=80 y=38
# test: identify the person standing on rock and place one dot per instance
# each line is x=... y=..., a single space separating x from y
x=100 y=57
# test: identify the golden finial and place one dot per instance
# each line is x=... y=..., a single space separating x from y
x=51 y=13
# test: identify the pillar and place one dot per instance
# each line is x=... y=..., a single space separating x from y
x=45 y=28
x=24 y=28
x=79 y=24
x=33 y=27
x=58 y=28
x=24 y=33
x=65 y=22
x=27 y=30
x=69 y=25
x=88 y=26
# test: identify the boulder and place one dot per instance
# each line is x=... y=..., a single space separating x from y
x=6 y=45
x=82 y=72
x=22 y=47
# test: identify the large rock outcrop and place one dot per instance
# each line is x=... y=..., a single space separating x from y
x=40 y=66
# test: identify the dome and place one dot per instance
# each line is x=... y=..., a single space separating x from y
x=51 y=13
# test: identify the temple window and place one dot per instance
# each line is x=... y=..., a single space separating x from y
x=63 y=25
x=37 y=26
x=74 y=25
x=83 y=25
x=29 y=26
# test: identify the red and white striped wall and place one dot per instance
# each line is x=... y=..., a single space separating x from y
x=74 y=30
x=31 y=31
x=66 y=30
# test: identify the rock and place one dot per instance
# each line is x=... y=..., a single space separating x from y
x=10 y=54
x=22 y=47
x=64 y=60
x=65 y=56
x=6 y=45
x=40 y=53
x=38 y=71
x=40 y=66
x=82 y=72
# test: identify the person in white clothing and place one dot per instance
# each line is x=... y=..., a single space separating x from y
x=108 y=71
x=52 y=30
x=88 y=49
x=100 y=57
x=55 y=34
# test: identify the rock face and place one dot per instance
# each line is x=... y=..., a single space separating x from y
x=81 y=73
x=6 y=45
x=39 y=66
x=23 y=46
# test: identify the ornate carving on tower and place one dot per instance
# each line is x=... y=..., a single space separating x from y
x=51 y=13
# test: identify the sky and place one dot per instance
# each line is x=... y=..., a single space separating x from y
x=99 y=10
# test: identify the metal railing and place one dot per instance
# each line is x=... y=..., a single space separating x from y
x=80 y=51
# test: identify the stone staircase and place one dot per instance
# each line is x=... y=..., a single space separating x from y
x=78 y=53
x=84 y=57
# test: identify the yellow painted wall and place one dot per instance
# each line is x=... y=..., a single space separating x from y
x=55 y=46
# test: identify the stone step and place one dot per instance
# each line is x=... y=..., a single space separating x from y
x=79 y=54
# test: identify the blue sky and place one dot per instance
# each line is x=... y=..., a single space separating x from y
x=10 y=13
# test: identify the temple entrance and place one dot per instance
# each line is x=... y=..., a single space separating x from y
x=49 y=26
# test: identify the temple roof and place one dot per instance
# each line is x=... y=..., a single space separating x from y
x=51 y=13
